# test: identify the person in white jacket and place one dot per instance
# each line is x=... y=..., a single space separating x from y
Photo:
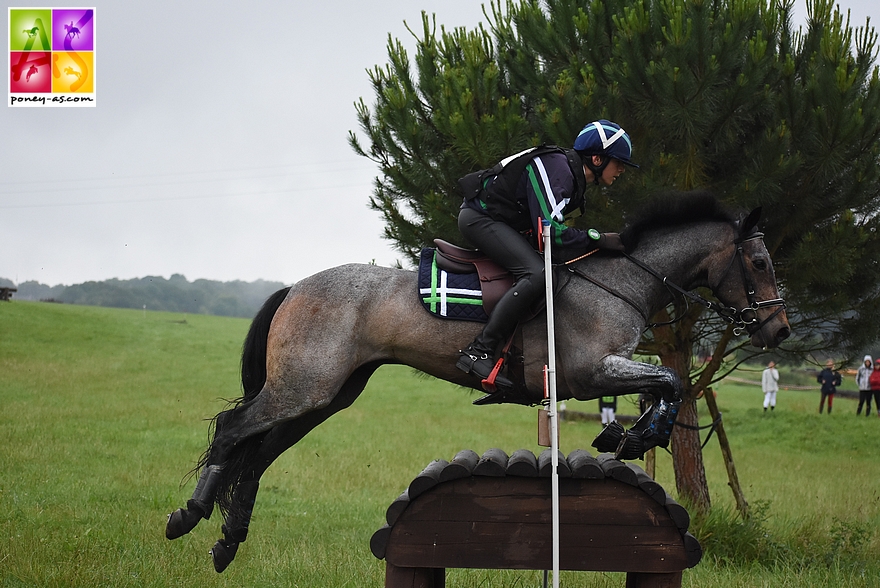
x=770 y=385
x=863 y=377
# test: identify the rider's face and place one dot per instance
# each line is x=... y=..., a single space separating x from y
x=611 y=172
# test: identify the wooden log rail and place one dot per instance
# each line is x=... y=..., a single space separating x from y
x=494 y=512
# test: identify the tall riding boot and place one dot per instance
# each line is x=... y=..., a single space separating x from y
x=479 y=358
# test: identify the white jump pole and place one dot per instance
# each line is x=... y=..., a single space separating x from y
x=551 y=380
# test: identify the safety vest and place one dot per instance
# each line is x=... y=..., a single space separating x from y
x=496 y=186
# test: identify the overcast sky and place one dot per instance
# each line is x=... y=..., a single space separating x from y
x=218 y=147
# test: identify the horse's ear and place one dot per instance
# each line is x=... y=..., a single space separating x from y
x=750 y=222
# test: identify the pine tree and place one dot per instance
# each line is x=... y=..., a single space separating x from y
x=717 y=94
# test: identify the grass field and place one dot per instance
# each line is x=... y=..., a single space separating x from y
x=103 y=413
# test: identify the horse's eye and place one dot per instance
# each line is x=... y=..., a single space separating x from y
x=760 y=264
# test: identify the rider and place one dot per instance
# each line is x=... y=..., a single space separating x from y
x=548 y=189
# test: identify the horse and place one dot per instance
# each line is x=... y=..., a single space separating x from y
x=312 y=347
x=72 y=72
x=72 y=31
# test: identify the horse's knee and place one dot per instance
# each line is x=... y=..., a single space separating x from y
x=676 y=388
x=668 y=386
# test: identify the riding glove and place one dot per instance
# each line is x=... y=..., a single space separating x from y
x=611 y=242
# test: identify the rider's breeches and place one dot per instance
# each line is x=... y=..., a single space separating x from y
x=510 y=249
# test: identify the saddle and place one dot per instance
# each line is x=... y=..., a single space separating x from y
x=494 y=279
x=464 y=284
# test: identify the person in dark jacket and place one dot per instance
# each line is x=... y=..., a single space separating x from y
x=830 y=380
x=549 y=189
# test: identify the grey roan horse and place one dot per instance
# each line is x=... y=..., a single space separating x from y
x=312 y=347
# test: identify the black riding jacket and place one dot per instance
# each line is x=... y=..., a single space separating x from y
x=548 y=190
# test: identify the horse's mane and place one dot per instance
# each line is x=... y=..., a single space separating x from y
x=672 y=209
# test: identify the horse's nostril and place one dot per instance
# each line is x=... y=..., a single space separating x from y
x=782 y=334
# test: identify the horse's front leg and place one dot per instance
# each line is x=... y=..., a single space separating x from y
x=617 y=375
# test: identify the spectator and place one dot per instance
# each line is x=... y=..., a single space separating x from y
x=863 y=379
x=770 y=385
x=875 y=387
x=830 y=380
x=607 y=406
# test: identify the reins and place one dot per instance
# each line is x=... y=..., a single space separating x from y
x=728 y=313
x=608 y=289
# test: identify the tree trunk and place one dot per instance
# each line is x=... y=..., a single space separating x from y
x=675 y=349
x=687 y=459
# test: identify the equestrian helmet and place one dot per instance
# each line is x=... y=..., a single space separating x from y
x=604 y=137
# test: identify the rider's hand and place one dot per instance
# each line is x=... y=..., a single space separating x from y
x=611 y=242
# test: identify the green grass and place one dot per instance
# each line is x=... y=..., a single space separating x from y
x=104 y=412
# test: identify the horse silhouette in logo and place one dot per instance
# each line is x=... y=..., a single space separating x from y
x=72 y=72
x=72 y=31
x=31 y=33
x=31 y=72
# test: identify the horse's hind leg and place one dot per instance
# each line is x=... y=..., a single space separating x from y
x=280 y=438
x=199 y=507
x=211 y=479
x=232 y=459
x=619 y=375
x=237 y=521
x=238 y=435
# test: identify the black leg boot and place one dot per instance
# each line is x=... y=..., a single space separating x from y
x=480 y=363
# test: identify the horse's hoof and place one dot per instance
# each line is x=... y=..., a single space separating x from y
x=223 y=553
x=181 y=522
x=631 y=446
x=608 y=439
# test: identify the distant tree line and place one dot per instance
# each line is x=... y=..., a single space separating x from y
x=176 y=294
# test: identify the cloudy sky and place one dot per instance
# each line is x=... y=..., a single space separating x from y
x=218 y=147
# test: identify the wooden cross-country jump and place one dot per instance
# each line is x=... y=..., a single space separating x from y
x=493 y=512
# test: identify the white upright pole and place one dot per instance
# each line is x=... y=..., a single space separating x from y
x=551 y=379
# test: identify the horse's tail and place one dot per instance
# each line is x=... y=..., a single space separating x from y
x=253 y=353
x=253 y=377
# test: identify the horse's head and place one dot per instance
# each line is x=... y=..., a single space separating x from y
x=746 y=284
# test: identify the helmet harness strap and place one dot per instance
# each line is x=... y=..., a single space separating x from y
x=596 y=169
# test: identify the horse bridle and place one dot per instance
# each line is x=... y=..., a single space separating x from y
x=739 y=317
x=745 y=319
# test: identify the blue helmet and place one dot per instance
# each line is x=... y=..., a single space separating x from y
x=604 y=137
